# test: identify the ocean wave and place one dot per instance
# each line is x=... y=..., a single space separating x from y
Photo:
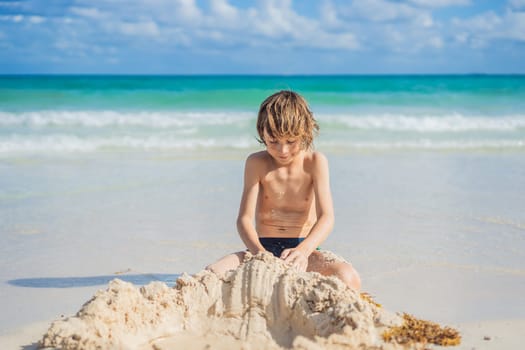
x=105 y=119
x=69 y=143
x=425 y=123
x=53 y=131
x=52 y=144
x=430 y=145
x=420 y=123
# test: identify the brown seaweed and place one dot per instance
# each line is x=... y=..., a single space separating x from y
x=414 y=330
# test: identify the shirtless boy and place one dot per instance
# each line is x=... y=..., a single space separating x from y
x=287 y=194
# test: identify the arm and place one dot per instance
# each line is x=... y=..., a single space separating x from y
x=323 y=205
x=325 y=215
x=245 y=219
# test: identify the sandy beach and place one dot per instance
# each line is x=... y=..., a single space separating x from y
x=258 y=309
x=440 y=237
x=125 y=127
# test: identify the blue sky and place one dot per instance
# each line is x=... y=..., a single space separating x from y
x=262 y=37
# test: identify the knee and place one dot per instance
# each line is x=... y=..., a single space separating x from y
x=213 y=268
x=227 y=263
x=219 y=268
x=349 y=276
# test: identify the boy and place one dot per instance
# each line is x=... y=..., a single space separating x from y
x=287 y=194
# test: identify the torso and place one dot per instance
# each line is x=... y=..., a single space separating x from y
x=286 y=200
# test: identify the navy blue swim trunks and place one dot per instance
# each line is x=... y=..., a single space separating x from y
x=276 y=245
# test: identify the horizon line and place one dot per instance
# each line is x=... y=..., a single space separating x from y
x=258 y=74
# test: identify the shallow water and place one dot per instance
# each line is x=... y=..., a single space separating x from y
x=83 y=114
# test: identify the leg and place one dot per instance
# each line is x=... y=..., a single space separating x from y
x=227 y=263
x=329 y=264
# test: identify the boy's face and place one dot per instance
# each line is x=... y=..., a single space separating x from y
x=283 y=150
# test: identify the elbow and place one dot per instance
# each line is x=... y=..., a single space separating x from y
x=329 y=220
x=326 y=221
x=241 y=223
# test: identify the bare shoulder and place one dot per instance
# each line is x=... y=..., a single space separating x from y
x=316 y=161
x=258 y=161
x=258 y=158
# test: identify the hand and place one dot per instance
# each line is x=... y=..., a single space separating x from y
x=296 y=258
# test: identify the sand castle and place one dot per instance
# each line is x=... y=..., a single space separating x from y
x=261 y=305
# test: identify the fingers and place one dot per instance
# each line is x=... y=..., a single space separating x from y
x=295 y=258
x=289 y=255
x=286 y=253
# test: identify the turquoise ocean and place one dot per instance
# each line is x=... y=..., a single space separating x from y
x=64 y=114
x=140 y=177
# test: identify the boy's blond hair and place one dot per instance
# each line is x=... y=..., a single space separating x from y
x=286 y=114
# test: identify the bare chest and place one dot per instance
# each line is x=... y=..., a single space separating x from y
x=287 y=190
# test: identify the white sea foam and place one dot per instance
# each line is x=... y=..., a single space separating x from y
x=427 y=123
x=91 y=131
x=426 y=144
x=70 y=143
x=104 y=119
x=448 y=122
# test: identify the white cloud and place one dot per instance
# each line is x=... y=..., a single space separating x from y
x=513 y=26
x=113 y=60
x=440 y=3
x=276 y=19
x=346 y=41
x=21 y=18
x=90 y=12
x=161 y=26
x=268 y=23
x=480 y=30
x=224 y=10
x=329 y=15
x=461 y=38
x=424 y=20
x=275 y=23
x=435 y=42
x=146 y=28
x=188 y=11
x=12 y=18
x=10 y=3
x=387 y=26
x=380 y=10
x=36 y=19
x=482 y=23
x=517 y=4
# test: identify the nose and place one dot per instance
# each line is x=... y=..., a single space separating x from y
x=283 y=148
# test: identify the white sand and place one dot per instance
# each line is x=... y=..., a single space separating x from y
x=486 y=335
x=261 y=305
